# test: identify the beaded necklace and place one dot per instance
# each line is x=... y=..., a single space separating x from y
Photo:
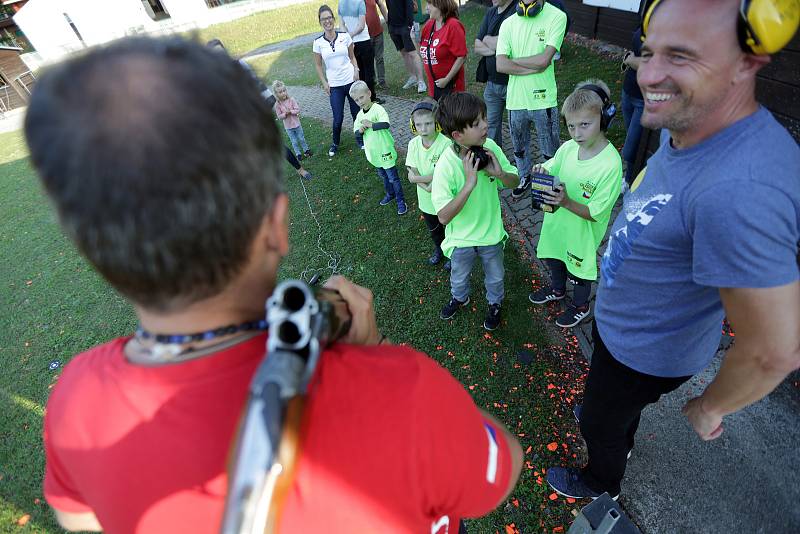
x=152 y=348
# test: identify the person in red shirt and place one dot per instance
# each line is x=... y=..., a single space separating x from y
x=376 y=34
x=138 y=430
x=443 y=49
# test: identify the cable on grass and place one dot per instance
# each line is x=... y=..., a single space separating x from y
x=333 y=260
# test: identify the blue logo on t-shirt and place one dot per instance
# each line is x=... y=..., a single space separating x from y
x=621 y=241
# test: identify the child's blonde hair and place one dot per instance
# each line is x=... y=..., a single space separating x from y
x=358 y=87
x=582 y=99
x=277 y=85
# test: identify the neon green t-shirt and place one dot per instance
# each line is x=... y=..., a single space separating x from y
x=593 y=182
x=424 y=159
x=529 y=36
x=479 y=222
x=378 y=145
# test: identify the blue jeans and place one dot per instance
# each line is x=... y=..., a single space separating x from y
x=297 y=138
x=632 y=113
x=391 y=183
x=494 y=95
x=337 y=98
x=547 y=132
x=462 y=260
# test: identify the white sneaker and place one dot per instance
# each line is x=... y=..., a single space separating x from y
x=410 y=82
x=421 y=87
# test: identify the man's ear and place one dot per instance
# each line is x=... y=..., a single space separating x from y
x=749 y=66
x=275 y=227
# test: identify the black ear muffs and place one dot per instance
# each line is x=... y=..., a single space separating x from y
x=764 y=26
x=529 y=10
x=609 y=110
x=420 y=106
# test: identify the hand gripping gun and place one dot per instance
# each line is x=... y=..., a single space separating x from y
x=302 y=323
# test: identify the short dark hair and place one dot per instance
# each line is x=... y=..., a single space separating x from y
x=322 y=8
x=162 y=159
x=458 y=111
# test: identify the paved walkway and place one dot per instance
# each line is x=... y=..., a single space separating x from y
x=302 y=40
x=744 y=482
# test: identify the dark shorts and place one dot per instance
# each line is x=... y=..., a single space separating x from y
x=401 y=37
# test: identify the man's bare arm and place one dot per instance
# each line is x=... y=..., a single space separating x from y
x=767 y=349
x=483 y=49
x=382 y=8
x=539 y=62
x=508 y=66
x=78 y=522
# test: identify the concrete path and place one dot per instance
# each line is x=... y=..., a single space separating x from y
x=303 y=40
x=744 y=482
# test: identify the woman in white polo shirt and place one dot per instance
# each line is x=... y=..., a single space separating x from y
x=335 y=50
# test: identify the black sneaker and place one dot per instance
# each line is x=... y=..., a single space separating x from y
x=332 y=150
x=569 y=483
x=545 y=295
x=451 y=308
x=572 y=316
x=299 y=156
x=492 y=320
x=524 y=184
x=308 y=153
x=436 y=257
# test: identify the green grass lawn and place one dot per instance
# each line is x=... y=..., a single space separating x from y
x=56 y=306
x=248 y=33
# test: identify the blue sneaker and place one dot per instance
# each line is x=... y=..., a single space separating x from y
x=569 y=483
x=332 y=150
x=386 y=200
x=402 y=209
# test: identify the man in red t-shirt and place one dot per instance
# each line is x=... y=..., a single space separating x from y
x=177 y=201
x=376 y=34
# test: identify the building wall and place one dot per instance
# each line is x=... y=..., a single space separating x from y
x=11 y=66
x=100 y=21
x=777 y=87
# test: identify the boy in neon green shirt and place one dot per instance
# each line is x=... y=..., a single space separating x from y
x=590 y=171
x=525 y=49
x=421 y=157
x=373 y=123
x=467 y=202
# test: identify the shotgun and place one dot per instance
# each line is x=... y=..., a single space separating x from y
x=302 y=323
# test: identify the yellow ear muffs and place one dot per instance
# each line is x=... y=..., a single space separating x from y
x=420 y=106
x=530 y=9
x=647 y=12
x=766 y=26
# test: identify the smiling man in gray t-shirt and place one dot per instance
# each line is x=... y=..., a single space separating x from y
x=710 y=229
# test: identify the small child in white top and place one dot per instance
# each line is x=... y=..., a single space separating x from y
x=287 y=109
